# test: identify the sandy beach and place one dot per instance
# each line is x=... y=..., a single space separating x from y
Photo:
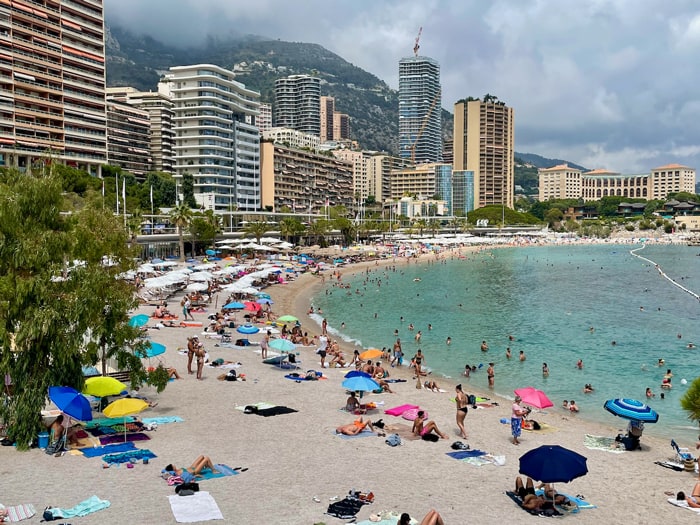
x=294 y=458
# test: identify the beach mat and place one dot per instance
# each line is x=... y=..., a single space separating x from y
x=109 y=449
x=107 y=422
x=549 y=513
x=683 y=505
x=162 y=420
x=125 y=457
x=580 y=503
x=198 y=507
x=259 y=406
x=274 y=411
x=604 y=443
x=463 y=454
x=20 y=512
x=365 y=433
x=397 y=411
x=223 y=471
x=119 y=438
x=544 y=429
x=670 y=464
x=88 y=506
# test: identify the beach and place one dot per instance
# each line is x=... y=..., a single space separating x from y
x=292 y=459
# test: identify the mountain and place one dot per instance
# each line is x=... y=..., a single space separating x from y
x=542 y=162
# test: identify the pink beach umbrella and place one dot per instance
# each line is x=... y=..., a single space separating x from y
x=532 y=396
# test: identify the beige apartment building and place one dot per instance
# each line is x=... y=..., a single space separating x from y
x=559 y=182
x=379 y=169
x=672 y=178
x=52 y=82
x=302 y=180
x=419 y=181
x=484 y=144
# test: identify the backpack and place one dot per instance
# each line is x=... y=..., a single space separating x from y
x=471 y=399
x=459 y=445
x=231 y=376
x=393 y=440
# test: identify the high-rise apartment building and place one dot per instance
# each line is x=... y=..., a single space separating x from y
x=52 y=81
x=327 y=112
x=341 y=126
x=216 y=139
x=379 y=168
x=298 y=103
x=264 y=119
x=420 y=109
x=128 y=138
x=484 y=144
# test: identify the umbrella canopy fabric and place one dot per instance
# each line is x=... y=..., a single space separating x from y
x=125 y=406
x=360 y=384
x=532 y=396
x=234 y=306
x=152 y=349
x=283 y=345
x=288 y=319
x=138 y=321
x=370 y=354
x=631 y=409
x=247 y=329
x=265 y=300
x=71 y=402
x=251 y=306
x=357 y=373
x=262 y=295
x=103 y=386
x=553 y=464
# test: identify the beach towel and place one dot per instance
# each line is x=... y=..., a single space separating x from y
x=683 y=504
x=119 y=438
x=222 y=471
x=386 y=518
x=463 y=454
x=581 y=503
x=477 y=461
x=274 y=411
x=544 y=429
x=198 y=507
x=397 y=411
x=412 y=413
x=678 y=467
x=107 y=422
x=20 y=512
x=549 y=513
x=162 y=420
x=365 y=433
x=90 y=505
x=124 y=457
x=346 y=508
x=607 y=444
x=109 y=449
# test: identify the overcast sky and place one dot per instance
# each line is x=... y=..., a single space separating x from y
x=603 y=83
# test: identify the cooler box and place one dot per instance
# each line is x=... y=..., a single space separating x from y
x=43 y=439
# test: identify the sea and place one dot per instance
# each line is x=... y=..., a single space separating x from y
x=618 y=313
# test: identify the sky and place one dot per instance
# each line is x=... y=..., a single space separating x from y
x=608 y=84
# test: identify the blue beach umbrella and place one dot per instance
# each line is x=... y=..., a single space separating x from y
x=71 y=402
x=247 y=329
x=283 y=345
x=234 y=306
x=357 y=373
x=553 y=464
x=263 y=295
x=631 y=409
x=138 y=321
x=152 y=349
x=210 y=252
x=360 y=384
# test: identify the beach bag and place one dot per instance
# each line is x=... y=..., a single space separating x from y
x=231 y=376
x=189 y=488
x=393 y=440
x=471 y=399
x=459 y=445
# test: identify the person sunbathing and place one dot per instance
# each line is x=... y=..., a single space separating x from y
x=431 y=518
x=193 y=472
x=529 y=500
x=422 y=429
x=552 y=495
x=431 y=385
x=355 y=427
x=693 y=500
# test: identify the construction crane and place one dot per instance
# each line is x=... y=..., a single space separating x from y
x=423 y=126
x=416 y=46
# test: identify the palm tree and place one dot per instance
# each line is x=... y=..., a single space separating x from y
x=290 y=226
x=257 y=229
x=690 y=402
x=421 y=225
x=318 y=230
x=181 y=215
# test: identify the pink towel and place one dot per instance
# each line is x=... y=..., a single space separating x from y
x=397 y=411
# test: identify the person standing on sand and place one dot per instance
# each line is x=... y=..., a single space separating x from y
x=322 y=348
x=192 y=343
x=462 y=409
x=265 y=344
x=516 y=419
x=201 y=354
x=490 y=374
x=324 y=327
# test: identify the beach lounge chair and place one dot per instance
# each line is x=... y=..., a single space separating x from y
x=682 y=454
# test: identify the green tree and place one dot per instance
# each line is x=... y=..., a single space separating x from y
x=690 y=402
x=317 y=231
x=346 y=227
x=57 y=316
x=204 y=227
x=291 y=227
x=257 y=229
x=554 y=216
x=188 y=190
x=181 y=216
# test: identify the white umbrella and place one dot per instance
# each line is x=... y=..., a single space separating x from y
x=197 y=287
x=227 y=247
x=205 y=266
x=201 y=276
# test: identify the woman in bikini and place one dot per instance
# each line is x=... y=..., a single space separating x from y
x=194 y=471
x=355 y=427
x=694 y=499
x=422 y=429
x=462 y=402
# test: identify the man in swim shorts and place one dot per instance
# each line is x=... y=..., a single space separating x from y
x=355 y=427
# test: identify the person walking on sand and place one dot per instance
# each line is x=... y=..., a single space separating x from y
x=490 y=374
x=516 y=419
x=462 y=409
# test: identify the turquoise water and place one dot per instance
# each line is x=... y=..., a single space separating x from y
x=547 y=298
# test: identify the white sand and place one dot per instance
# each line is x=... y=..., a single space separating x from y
x=292 y=458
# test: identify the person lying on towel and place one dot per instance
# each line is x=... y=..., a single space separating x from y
x=693 y=500
x=530 y=500
x=195 y=470
x=355 y=427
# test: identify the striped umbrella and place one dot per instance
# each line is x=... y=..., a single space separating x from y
x=631 y=409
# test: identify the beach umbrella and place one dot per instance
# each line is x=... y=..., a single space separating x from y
x=631 y=409
x=264 y=300
x=251 y=306
x=553 y=464
x=262 y=295
x=283 y=345
x=287 y=319
x=71 y=402
x=152 y=349
x=356 y=373
x=201 y=276
x=138 y=321
x=360 y=383
x=247 y=329
x=370 y=354
x=103 y=386
x=124 y=407
x=532 y=396
x=210 y=252
x=234 y=306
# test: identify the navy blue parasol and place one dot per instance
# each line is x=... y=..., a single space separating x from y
x=553 y=464
x=631 y=409
x=71 y=402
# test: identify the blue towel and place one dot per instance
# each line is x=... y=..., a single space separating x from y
x=461 y=454
x=365 y=433
x=162 y=420
x=226 y=470
x=109 y=449
x=90 y=505
x=124 y=457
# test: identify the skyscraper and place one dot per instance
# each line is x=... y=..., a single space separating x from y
x=216 y=140
x=52 y=81
x=483 y=144
x=420 y=108
x=298 y=103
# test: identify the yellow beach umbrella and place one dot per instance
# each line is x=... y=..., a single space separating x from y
x=370 y=354
x=103 y=386
x=126 y=406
